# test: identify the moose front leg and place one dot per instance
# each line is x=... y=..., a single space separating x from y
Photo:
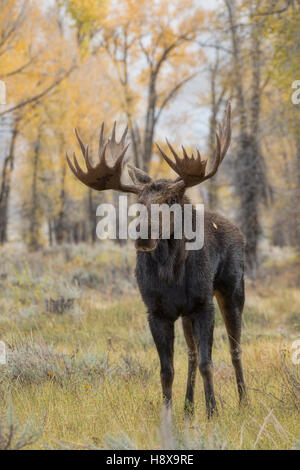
x=192 y=366
x=203 y=328
x=163 y=334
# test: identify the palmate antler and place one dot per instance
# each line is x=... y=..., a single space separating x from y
x=192 y=170
x=107 y=173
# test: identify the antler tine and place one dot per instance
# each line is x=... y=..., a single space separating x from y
x=223 y=141
x=101 y=140
x=78 y=171
x=113 y=135
x=181 y=164
x=80 y=142
x=192 y=169
x=167 y=159
x=86 y=158
x=108 y=172
x=78 y=168
x=119 y=160
x=85 y=152
x=225 y=131
x=217 y=159
x=184 y=152
x=71 y=165
x=124 y=135
x=177 y=158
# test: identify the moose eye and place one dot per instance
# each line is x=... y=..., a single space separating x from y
x=172 y=201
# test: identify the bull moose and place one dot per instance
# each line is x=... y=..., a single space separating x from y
x=174 y=282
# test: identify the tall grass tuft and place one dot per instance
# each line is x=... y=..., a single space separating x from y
x=13 y=436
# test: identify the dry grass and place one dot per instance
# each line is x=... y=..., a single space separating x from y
x=90 y=374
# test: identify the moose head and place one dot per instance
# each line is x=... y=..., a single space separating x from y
x=107 y=173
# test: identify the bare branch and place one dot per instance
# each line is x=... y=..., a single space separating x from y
x=215 y=46
x=15 y=25
x=41 y=95
x=172 y=94
x=18 y=70
x=276 y=12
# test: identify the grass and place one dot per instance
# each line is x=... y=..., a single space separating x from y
x=88 y=369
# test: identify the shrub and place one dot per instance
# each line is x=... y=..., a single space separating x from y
x=13 y=436
x=34 y=363
x=84 y=278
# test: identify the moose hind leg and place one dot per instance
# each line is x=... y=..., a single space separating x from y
x=163 y=334
x=192 y=366
x=231 y=306
x=203 y=327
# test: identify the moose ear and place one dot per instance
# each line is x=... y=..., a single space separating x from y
x=138 y=176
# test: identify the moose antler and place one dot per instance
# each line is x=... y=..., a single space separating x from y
x=191 y=170
x=107 y=173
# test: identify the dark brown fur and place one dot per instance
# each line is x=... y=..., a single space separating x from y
x=174 y=282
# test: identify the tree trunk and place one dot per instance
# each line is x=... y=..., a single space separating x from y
x=150 y=123
x=92 y=216
x=33 y=242
x=60 y=223
x=216 y=100
x=50 y=232
x=297 y=198
x=250 y=177
x=118 y=240
x=7 y=170
x=212 y=184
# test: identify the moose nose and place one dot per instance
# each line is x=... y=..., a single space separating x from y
x=145 y=245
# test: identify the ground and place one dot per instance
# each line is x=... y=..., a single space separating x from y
x=83 y=371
